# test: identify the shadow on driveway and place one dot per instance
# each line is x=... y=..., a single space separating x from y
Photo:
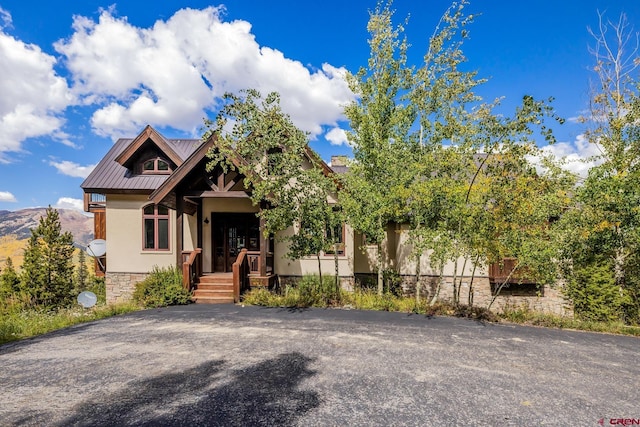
x=262 y=394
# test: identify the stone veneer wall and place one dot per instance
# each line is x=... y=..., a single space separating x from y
x=120 y=286
x=545 y=300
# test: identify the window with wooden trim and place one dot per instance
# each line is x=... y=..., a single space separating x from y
x=155 y=165
x=155 y=219
x=336 y=235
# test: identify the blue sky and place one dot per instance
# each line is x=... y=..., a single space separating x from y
x=75 y=76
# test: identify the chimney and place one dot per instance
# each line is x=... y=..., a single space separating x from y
x=338 y=160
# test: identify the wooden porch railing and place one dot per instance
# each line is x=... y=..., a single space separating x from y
x=503 y=272
x=255 y=262
x=191 y=267
x=241 y=270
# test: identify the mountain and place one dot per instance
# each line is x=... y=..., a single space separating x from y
x=20 y=223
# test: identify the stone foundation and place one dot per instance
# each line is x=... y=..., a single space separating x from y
x=120 y=286
x=544 y=299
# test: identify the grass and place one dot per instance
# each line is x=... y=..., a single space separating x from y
x=364 y=299
x=17 y=325
x=292 y=296
x=525 y=316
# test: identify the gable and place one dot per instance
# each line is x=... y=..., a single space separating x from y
x=111 y=176
x=149 y=143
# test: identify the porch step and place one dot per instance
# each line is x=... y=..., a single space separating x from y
x=214 y=289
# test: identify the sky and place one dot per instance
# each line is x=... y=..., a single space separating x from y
x=76 y=76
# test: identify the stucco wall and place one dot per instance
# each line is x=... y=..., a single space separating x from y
x=190 y=232
x=309 y=265
x=396 y=254
x=125 y=237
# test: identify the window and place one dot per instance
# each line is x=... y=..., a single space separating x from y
x=156 y=165
x=156 y=228
x=336 y=235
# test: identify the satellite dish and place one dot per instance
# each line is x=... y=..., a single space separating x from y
x=97 y=248
x=87 y=299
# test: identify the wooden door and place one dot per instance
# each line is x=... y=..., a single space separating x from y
x=232 y=233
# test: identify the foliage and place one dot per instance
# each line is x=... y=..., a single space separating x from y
x=602 y=226
x=270 y=151
x=594 y=293
x=97 y=285
x=392 y=282
x=524 y=315
x=380 y=120
x=162 y=287
x=47 y=271
x=18 y=323
x=429 y=153
x=9 y=280
x=308 y=292
x=82 y=272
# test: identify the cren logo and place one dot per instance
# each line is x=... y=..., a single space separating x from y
x=621 y=421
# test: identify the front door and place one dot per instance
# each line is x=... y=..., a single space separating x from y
x=233 y=232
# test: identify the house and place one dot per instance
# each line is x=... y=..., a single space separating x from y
x=155 y=204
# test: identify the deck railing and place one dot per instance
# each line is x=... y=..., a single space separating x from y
x=241 y=271
x=255 y=262
x=191 y=267
x=94 y=201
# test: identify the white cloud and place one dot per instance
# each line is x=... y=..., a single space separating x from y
x=5 y=196
x=5 y=19
x=33 y=95
x=72 y=169
x=578 y=156
x=173 y=73
x=69 y=203
x=337 y=136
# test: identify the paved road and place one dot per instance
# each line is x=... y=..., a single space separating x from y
x=230 y=365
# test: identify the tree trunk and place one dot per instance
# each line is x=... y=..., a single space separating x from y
x=418 y=280
x=380 y=277
x=337 y=268
x=473 y=275
x=464 y=267
x=502 y=285
x=319 y=268
x=436 y=294
x=455 y=277
x=619 y=261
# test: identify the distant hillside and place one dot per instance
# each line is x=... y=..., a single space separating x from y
x=19 y=223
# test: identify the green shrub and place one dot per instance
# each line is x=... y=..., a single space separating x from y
x=594 y=294
x=392 y=282
x=161 y=288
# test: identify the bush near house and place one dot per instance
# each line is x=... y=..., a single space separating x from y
x=161 y=288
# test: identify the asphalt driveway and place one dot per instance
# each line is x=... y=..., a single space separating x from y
x=231 y=365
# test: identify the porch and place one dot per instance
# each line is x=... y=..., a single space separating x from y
x=250 y=269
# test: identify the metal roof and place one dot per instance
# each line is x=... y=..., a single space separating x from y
x=109 y=176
